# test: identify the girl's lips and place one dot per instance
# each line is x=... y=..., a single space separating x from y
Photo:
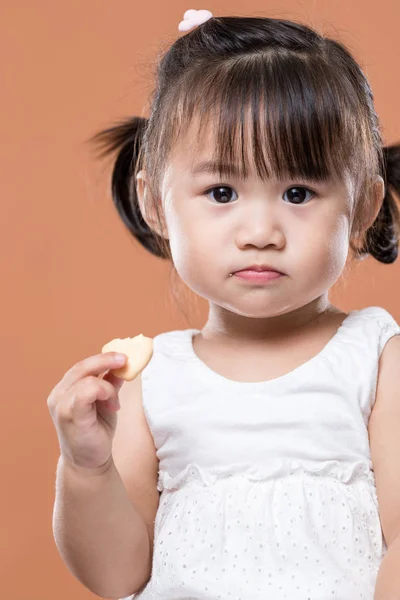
x=260 y=276
x=261 y=267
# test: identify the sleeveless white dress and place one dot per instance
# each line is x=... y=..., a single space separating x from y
x=268 y=489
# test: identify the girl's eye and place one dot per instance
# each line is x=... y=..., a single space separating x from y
x=295 y=194
x=222 y=196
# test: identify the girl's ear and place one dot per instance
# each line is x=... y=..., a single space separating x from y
x=375 y=200
x=147 y=206
x=378 y=194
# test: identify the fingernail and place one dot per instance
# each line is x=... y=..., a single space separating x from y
x=120 y=358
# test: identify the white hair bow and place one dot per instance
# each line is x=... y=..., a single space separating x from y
x=193 y=18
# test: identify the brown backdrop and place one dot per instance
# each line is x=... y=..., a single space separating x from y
x=72 y=277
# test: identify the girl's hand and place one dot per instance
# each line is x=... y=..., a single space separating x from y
x=83 y=407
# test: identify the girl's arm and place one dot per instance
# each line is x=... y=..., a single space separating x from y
x=384 y=433
x=104 y=524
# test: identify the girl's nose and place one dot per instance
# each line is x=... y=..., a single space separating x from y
x=260 y=230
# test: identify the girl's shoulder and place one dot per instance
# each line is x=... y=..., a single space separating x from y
x=376 y=314
x=176 y=342
x=374 y=322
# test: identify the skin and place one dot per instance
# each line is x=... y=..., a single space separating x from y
x=281 y=324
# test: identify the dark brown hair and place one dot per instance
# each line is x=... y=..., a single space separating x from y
x=300 y=98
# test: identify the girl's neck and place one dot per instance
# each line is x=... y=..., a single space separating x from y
x=225 y=325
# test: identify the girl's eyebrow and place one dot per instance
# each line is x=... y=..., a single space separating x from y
x=211 y=166
x=215 y=167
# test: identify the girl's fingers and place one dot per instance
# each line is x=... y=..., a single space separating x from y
x=93 y=365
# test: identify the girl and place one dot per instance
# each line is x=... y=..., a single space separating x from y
x=257 y=457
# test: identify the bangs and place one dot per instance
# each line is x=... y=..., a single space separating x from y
x=280 y=115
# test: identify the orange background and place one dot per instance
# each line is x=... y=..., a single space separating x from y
x=72 y=277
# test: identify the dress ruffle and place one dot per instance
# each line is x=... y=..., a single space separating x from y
x=194 y=474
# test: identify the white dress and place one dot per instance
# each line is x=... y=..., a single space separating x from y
x=268 y=490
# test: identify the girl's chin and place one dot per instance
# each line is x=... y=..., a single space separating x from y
x=255 y=312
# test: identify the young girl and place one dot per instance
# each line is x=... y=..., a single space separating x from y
x=258 y=457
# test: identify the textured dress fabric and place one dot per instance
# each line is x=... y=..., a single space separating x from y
x=267 y=488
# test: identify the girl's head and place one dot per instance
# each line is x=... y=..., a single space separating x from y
x=262 y=146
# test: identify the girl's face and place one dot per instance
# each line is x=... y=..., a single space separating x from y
x=218 y=226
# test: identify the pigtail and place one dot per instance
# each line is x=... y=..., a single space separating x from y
x=382 y=238
x=126 y=139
